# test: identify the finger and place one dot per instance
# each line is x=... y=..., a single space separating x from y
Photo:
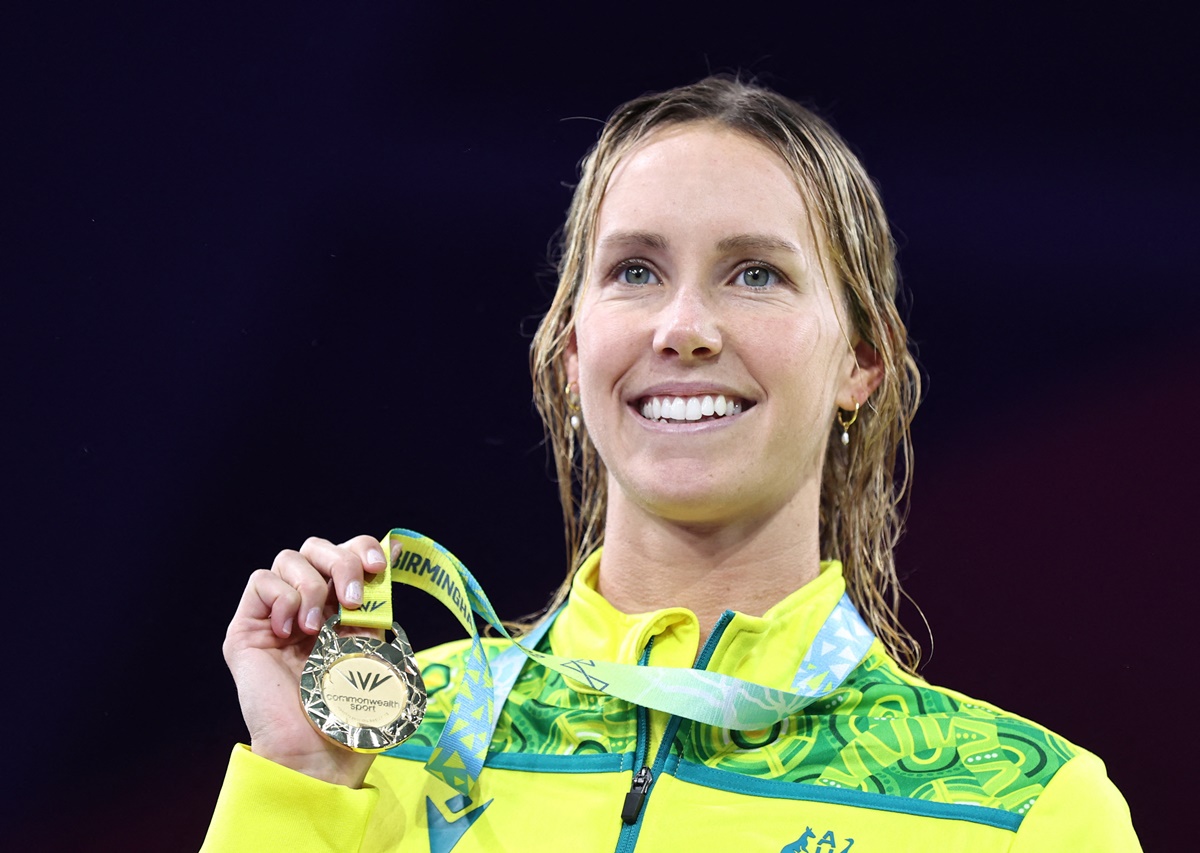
x=370 y=555
x=268 y=596
x=310 y=581
x=343 y=564
x=397 y=551
x=369 y=552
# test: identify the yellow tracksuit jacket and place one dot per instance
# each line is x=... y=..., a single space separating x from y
x=886 y=763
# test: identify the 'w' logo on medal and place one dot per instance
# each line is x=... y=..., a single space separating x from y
x=366 y=681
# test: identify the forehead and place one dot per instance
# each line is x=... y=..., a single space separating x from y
x=708 y=180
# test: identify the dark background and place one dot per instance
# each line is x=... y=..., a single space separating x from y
x=270 y=272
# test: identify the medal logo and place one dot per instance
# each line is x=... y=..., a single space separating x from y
x=362 y=693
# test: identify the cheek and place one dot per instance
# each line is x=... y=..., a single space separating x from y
x=794 y=344
x=801 y=355
x=606 y=349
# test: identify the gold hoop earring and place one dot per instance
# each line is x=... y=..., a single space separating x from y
x=847 y=424
x=572 y=397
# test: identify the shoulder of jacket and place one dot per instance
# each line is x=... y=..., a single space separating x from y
x=983 y=732
x=442 y=671
x=1080 y=809
x=454 y=652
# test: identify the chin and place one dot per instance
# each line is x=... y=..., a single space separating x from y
x=706 y=508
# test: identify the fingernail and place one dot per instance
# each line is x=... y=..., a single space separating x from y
x=313 y=620
x=287 y=627
x=354 y=592
x=375 y=558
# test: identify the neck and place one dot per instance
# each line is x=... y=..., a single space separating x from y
x=650 y=563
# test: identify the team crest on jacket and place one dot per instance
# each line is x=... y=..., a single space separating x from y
x=828 y=843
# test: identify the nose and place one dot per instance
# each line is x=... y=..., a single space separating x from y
x=688 y=326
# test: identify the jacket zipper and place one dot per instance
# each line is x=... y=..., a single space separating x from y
x=637 y=795
x=643 y=779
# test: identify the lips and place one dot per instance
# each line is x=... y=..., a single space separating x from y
x=699 y=407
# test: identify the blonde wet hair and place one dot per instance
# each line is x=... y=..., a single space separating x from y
x=864 y=484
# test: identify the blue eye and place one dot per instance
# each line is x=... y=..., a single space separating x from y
x=757 y=277
x=637 y=274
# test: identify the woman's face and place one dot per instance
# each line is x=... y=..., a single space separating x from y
x=705 y=293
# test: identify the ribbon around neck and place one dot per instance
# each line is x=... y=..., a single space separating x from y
x=706 y=697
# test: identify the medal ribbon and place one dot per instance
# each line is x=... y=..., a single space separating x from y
x=706 y=697
x=376 y=608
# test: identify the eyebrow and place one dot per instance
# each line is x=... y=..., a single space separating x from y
x=733 y=243
x=760 y=242
x=635 y=238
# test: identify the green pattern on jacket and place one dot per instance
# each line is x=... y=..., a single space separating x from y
x=878 y=733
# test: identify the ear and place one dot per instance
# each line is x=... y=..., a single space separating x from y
x=864 y=377
x=571 y=359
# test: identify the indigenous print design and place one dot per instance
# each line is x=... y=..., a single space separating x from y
x=880 y=732
x=543 y=716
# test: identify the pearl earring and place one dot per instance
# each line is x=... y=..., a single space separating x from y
x=572 y=395
x=847 y=424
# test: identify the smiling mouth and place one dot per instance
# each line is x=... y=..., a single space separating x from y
x=681 y=410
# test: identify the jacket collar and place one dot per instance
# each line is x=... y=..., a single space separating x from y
x=764 y=649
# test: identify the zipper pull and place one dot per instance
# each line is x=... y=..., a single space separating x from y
x=637 y=796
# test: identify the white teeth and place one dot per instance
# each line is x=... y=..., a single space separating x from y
x=682 y=409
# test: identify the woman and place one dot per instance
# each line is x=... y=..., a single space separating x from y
x=726 y=384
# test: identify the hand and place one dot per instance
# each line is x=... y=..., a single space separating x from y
x=271 y=637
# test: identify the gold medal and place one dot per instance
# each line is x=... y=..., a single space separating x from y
x=362 y=693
